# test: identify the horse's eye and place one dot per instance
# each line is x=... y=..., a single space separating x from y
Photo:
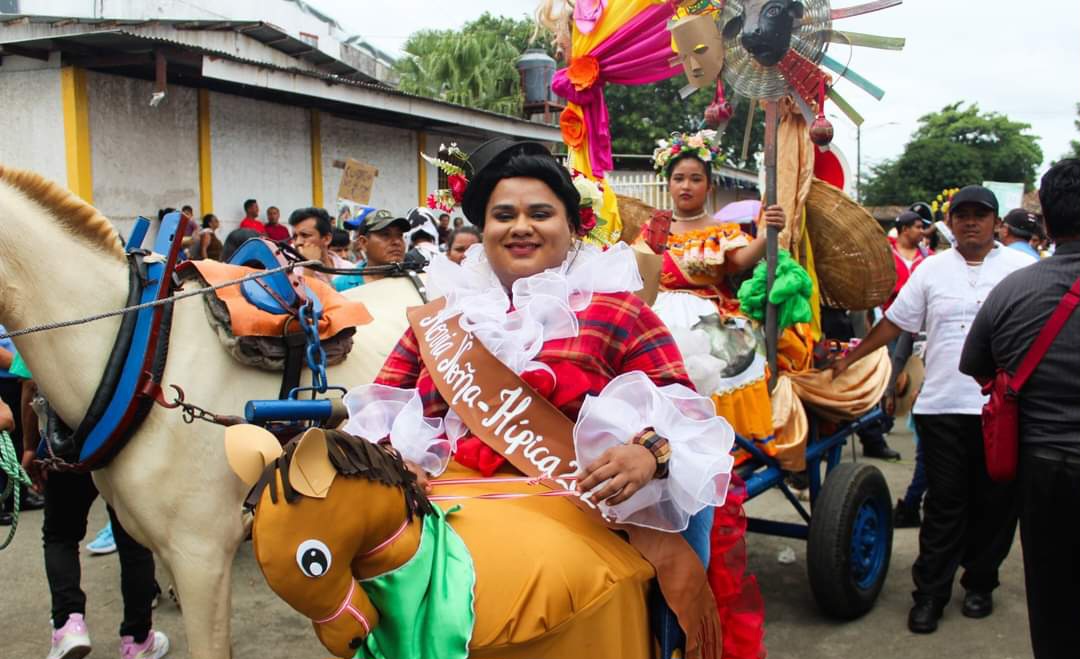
x=772 y=12
x=314 y=558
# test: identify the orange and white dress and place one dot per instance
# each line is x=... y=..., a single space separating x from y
x=722 y=348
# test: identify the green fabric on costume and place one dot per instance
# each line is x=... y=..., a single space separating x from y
x=426 y=606
x=791 y=292
x=19 y=369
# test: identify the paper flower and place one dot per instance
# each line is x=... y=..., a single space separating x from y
x=572 y=125
x=583 y=72
x=457 y=184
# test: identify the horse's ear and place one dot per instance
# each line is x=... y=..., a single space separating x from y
x=310 y=470
x=248 y=450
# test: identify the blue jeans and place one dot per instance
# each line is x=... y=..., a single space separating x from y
x=668 y=633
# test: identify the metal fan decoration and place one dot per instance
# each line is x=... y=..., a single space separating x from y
x=776 y=48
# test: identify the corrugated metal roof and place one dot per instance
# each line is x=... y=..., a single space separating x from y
x=145 y=37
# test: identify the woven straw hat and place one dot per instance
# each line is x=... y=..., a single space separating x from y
x=634 y=214
x=851 y=253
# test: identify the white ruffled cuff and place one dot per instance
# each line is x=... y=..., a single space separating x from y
x=377 y=411
x=700 y=464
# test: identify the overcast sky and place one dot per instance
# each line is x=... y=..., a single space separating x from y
x=1016 y=57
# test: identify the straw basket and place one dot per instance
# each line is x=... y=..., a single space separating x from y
x=851 y=253
x=634 y=214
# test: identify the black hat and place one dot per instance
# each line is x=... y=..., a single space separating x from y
x=492 y=152
x=1022 y=223
x=907 y=218
x=924 y=210
x=382 y=219
x=974 y=194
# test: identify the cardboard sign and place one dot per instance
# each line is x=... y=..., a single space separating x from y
x=357 y=181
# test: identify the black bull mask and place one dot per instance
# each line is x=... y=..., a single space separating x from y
x=765 y=28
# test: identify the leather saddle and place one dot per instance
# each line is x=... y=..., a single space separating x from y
x=279 y=293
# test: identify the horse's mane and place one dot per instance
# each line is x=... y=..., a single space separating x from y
x=351 y=457
x=79 y=217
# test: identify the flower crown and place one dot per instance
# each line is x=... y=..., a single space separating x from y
x=448 y=198
x=703 y=145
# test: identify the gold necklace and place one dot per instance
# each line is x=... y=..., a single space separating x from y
x=676 y=218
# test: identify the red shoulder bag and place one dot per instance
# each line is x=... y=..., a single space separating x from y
x=1001 y=414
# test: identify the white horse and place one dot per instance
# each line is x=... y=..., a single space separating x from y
x=171 y=485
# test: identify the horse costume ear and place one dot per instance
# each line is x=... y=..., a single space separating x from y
x=310 y=470
x=248 y=450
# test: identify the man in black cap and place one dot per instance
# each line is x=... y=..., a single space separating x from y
x=967 y=519
x=1019 y=227
x=382 y=240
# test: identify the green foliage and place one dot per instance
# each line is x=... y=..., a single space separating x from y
x=955 y=147
x=474 y=67
x=640 y=115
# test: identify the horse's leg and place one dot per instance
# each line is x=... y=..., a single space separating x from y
x=203 y=579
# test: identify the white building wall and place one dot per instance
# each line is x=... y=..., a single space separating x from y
x=392 y=150
x=259 y=150
x=143 y=158
x=32 y=104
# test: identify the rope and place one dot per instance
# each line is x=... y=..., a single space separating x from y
x=44 y=327
x=12 y=468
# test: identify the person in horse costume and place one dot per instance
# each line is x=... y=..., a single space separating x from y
x=539 y=376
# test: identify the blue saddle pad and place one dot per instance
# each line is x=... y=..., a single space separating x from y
x=258 y=253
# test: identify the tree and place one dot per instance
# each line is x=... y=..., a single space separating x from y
x=474 y=67
x=640 y=115
x=954 y=147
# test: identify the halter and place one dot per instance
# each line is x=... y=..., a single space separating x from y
x=347 y=607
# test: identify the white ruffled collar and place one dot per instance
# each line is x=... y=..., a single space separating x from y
x=539 y=308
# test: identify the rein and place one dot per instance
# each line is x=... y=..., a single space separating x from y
x=347 y=607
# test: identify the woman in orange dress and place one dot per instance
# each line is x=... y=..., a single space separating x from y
x=723 y=350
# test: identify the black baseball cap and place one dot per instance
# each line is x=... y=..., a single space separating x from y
x=908 y=218
x=382 y=219
x=974 y=194
x=1022 y=223
x=924 y=211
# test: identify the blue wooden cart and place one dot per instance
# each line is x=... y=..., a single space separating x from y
x=848 y=528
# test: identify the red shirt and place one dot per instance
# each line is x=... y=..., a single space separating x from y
x=253 y=224
x=277 y=232
x=903 y=271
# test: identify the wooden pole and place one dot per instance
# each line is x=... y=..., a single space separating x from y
x=772 y=122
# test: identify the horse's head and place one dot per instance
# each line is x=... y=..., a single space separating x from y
x=766 y=28
x=314 y=521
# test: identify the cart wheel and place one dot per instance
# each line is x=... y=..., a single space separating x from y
x=850 y=540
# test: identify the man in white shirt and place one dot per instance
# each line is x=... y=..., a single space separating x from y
x=967 y=519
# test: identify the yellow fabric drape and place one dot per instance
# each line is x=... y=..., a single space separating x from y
x=617 y=14
x=849 y=396
x=790 y=426
x=806 y=259
x=794 y=173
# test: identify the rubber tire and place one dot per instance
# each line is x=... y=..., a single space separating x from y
x=847 y=487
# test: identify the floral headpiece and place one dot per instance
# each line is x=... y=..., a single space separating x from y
x=592 y=204
x=703 y=145
x=943 y=201
x=448 y=198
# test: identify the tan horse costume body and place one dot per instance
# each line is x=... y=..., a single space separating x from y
x=171 y=485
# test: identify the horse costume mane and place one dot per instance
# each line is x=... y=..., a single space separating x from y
x=351 y=457
x=82 y=219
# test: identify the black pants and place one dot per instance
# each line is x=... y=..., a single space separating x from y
x=68 y=497
x=1049 y=492
x=968 y=519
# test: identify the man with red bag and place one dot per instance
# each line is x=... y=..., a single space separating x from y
x=967 y=519
x=1039 y=301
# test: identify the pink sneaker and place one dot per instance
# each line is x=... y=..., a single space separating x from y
x=72 y=641
x=155 y=646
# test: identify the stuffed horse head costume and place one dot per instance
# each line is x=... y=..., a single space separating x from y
x=343 y=534
x=766 y=27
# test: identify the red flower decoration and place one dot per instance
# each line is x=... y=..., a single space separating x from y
x=457 y=183
x=583 y=72
x=432 y=202
x=588 y=220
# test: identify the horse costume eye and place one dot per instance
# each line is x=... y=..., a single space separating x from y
x=314 y=558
